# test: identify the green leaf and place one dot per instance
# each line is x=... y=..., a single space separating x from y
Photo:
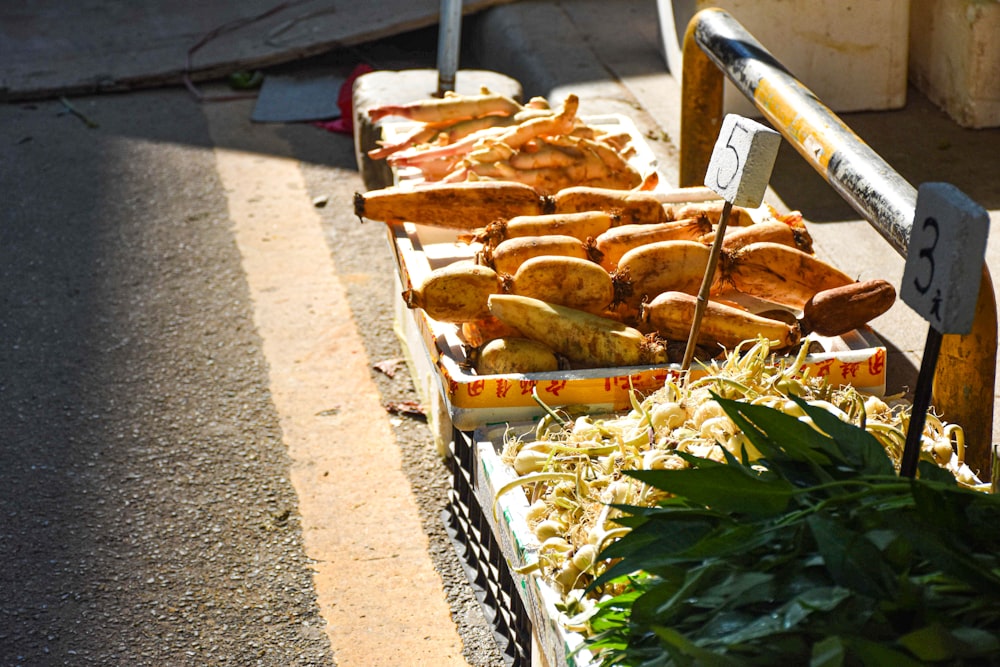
x=975 y=642
x=929 y=643
x=859 y=447
x=828 y=652
x=850 y=558
x=786 y=617
x=725 y=488
x=737 y=588
x=873 y=654
x=929 y=472
x=703 y=657
x=778 y=432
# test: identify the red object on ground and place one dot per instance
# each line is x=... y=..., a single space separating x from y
x=345 y=101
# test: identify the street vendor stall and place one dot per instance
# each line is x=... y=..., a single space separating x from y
x=580 y=388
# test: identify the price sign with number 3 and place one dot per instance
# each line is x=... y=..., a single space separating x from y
x=941 y=280
x=945 y=258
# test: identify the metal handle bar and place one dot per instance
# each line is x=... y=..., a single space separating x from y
x=717 y=46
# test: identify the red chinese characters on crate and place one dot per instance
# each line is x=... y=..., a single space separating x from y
x=864 y=369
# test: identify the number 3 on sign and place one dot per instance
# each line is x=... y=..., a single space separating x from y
x=742 y=161
x=945 y=257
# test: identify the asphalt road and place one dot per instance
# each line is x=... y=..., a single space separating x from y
x=149 y=515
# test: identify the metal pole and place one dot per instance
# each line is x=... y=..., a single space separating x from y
x=706 y=286
x=856 y=172
x=449 y=40
x=921 y=401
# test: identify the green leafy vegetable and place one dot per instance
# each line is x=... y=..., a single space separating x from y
x=815 y=554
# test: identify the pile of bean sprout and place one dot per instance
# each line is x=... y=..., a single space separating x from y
x=570 y=468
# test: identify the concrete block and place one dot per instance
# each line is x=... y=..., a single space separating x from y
x=955 y=58
x=852 y=55
x=401 y=87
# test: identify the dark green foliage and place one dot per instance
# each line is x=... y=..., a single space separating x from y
x=817 y=554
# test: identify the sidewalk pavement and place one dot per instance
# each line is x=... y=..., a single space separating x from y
x=609 y=54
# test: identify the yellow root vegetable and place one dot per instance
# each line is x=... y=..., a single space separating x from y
x=778 y=273
x=458 y=292
x=548 y=180
x=515 y=355
x=508 y=255
x=632 y=206
x=451 y=107
x=567 y=281
x=664 y=266
x=768 y=230
x=438 y=134
x=539 y=154
x=467 y=206
x=583 y=225
x=616 y=241
x=476 y=333
x=562 y=122
x=670 y=314
x=836 y=311
x=739 y=217
x=583 y=338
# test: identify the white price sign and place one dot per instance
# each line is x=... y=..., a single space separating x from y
x=742 y=161
x=944 y=259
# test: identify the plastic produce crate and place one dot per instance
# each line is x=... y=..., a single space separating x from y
x=553 y=645
x=486 y=567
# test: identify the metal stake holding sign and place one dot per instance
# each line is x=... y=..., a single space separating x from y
x=449 y=39
x=941 y=281
x=739 y=171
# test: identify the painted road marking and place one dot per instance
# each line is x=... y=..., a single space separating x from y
x=377 y=588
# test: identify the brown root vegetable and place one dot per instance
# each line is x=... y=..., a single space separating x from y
x=501 y=356
x=583 y=225
x=615 y=242
x=567 y=281
x=738 y=217
x=663 y=266
x=778 y=273
x=476 y=333
x=451 y=107
x=466 y=206
x=671 y=314
x=632 y=206
x=457 y=292
x=769 y=230
x=833 y=312
x=508 y=256
x=583 y=338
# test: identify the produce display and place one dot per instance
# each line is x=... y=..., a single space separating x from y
x=579 y=472
x=490 y=137
x=839 y=561
x=639 y=269
x=574 y=259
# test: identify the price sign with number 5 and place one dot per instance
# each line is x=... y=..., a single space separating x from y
x=742 y=160
x=945 y=258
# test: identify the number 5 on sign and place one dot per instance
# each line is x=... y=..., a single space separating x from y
x=742 y=161
x=945 y=258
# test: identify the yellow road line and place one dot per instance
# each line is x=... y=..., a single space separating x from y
x=377 y=588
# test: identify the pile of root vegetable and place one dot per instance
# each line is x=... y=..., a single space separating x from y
x=603 y=277
x=572 y=468
x=489 y=137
